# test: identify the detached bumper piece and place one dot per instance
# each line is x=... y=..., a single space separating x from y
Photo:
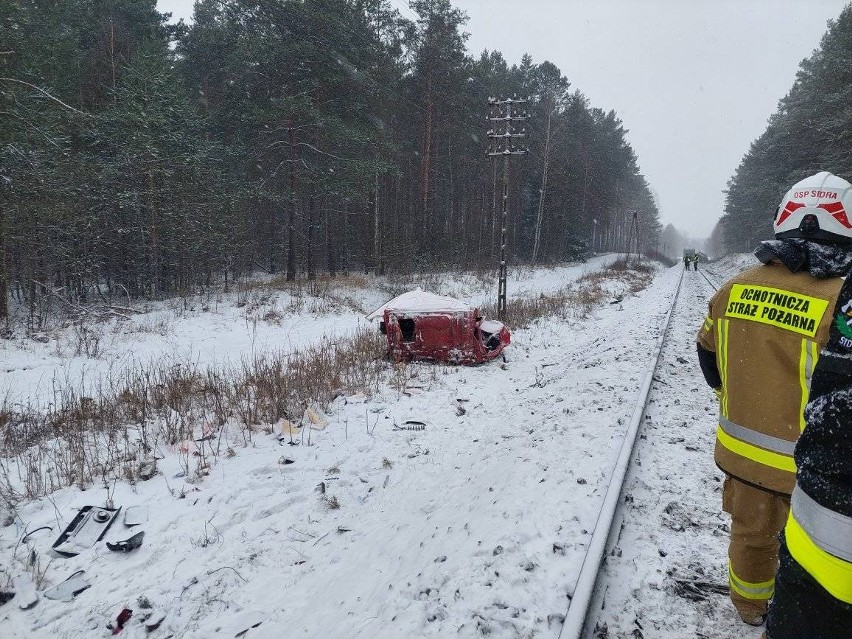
x=86 y=529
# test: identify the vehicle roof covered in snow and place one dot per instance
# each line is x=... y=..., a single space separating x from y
x=419 y=302
x=491 y=326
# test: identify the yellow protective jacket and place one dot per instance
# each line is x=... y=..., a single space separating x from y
x=766 y=327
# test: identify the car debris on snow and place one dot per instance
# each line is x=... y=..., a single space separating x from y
x=68 y=589
x=87 y=528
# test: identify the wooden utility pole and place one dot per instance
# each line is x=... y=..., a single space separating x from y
x=493 y=210
x=505 y=115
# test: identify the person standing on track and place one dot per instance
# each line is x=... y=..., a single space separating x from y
x=757 y=348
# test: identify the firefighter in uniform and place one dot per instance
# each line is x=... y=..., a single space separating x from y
x=813 y=586
x=757 y=348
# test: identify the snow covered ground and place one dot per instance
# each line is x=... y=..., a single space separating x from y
x=474 y=524
x=218 y=329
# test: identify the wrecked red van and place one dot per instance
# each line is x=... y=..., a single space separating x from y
x=420 y=325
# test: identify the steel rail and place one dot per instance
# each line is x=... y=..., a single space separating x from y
x=575 y=618
x=709 y=281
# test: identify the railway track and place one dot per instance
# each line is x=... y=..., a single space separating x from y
x=709 y=280
x=584 y=612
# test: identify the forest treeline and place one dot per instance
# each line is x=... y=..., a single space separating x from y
x=141 y=159
x=811 y=131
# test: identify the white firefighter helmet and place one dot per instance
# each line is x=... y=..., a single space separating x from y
x=817 y=208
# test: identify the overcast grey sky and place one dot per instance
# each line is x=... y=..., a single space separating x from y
x=694 y=81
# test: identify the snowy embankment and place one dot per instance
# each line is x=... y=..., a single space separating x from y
x=473 y=520
x=219 y=329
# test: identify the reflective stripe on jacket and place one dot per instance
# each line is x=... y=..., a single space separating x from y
x=818 y=533
x=766 y=326
x=820 y=540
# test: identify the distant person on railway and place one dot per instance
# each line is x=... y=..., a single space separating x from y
x=686 y=262
x=813 y=587
x=758 y=348
x=695 y=262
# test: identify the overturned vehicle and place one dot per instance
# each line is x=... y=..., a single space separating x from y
x=423 y=326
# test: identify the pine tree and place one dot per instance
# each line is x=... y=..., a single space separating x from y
x=811 y=131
